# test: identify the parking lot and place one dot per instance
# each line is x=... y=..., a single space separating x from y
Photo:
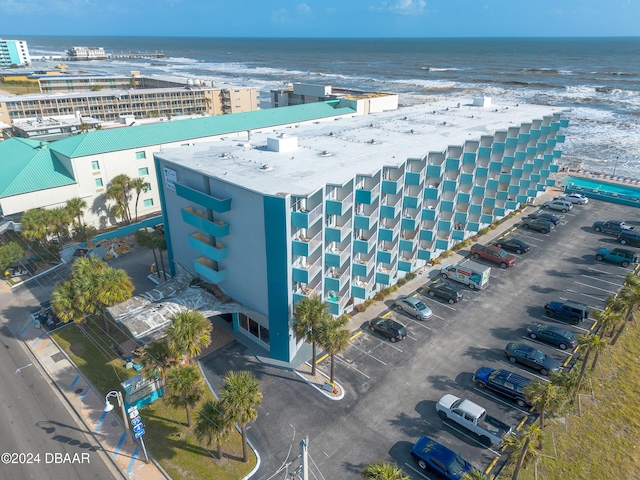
x=391 y=388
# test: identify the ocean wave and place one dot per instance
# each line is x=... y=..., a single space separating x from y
x=541 y=70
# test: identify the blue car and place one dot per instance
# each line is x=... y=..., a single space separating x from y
x=433 y=456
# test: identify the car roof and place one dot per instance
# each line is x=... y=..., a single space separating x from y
x=514 y=377
x=520 y=346
x=442 y=453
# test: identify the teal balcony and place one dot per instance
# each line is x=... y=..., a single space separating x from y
x=335 y=281
x=392 y=187
x=388 y=234
x=306 y=246
x=482 y=172
x=304 y=272
x=495 y=166
x=391 y=210
x=204 y=267
x=498 y=147
x=219 y=205
x=198 y=220
x=442 y=244
x=492 y=184
x=457 y=235
x=484 y=152
x=336 y=258
x=428 y=214
x=386 y=256
x=523 y=137
x=339 y=207
x=564 y=122
x=338 y=233
x=431 y=193
x=411 y=201
x=405 y=265
x=307 y=292
x=409 y=224
x=452 y=164
x=521 y=155
x=535 y=133
x=364 y=246
x=360 y=289
x=362 y=268
x=384 y=276
x=532 y=150
x=447 y=206
x=424 y=254
x=304 y=219
x=511 y=205
x=336 y=304
x=202 y=244
x=449 y=186
x=407 y=244
x=364 y=221
x=434 y=171
x=366 y=196
x=464 y=198
x=466 y=179
x=512 y=142
x=469 y=157
x=414 y=178
x=445 y=226
x=486 y=218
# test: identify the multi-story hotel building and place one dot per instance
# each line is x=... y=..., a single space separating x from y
x=344 y=208
x=14 y=52
x=139 y=103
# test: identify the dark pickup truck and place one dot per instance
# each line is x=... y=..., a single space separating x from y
x=493 y=254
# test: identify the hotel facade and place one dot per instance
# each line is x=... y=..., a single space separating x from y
x=14 y=52
x=344 y=208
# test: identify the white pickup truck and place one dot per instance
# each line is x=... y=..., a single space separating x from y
x=474 y=418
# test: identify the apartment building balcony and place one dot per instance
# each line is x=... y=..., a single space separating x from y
x=306 y=246
x=337 y=256
x=414 y=178
x=199 y=220
x=385 y=274
x=392 y=187
x=339 y=207
x=304 y=272
x=406 y=262
x=206 y=269
x=362 y=288
x=365 y=221
x=337 y=302
x=219 y=205
x=387 y=255
x=335 y=280
x=338 y=233
x=389 y=233
x=305 y=219
x=367 y=196
x=364 y=245
x=213 y=250
x=363 y=266
x=307 y=291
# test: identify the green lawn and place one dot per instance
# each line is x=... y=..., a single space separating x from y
x=599 y=441
x=168 y=439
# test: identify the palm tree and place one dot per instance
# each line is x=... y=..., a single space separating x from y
x=628 y=302
x=212 y=425
x=139 y=185
x=608 y=320
x=112 y=286
x=75 y=207
x=308 y=313
x=239 y=396
x=545 y=397
x=189 y=333
x=523 y=446
x=157 y=357
x=64 y=304
x=333 y=337
x=35 y=225
x=158 y=240
x=185 y=388
x=383 y=471
x=118 y=191
x=473 y=474
x=590 y=343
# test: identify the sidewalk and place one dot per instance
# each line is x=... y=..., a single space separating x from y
x=107 y=427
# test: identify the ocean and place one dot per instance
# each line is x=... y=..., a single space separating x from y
x=598 y=79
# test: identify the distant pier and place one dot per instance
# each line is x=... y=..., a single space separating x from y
x=108 y=56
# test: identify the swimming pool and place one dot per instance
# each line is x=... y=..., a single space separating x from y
x=609 y=192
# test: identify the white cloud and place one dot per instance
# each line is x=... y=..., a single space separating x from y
x=303 y=8
x=280 y=17
x=401 y=7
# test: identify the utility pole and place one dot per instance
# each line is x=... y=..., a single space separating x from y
x=302 y=471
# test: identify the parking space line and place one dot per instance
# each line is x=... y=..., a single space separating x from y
x=462 y=432
x=440 y=303
x=318 y=360
x=356 y=335
x=586 y=295
x=367 y=353
x=500 y=400
x=608 y=273
x=600 y=280
x=421 y=324
x=412 y=338
x=526 y=337
x=531 y=237
x=352 y=367
x=393 y=346
x=540 y=377
x=558 y=321
x=416 y=470
x=386 y=314
x=597 y=288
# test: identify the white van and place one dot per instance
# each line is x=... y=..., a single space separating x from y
x=468 y=272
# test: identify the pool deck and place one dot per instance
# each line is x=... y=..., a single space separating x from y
x=630 y=198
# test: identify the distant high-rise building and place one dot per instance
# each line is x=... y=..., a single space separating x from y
x=14 y=52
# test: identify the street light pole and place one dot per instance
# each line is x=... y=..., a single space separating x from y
x=615 y=165
x=109 y=406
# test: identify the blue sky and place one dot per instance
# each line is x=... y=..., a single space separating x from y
x=321 y=18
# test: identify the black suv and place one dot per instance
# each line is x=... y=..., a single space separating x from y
x=545 y=216
x=629 y=237
x=505 y=382
x=386 y=327
x=445 y=291
x=539 y=224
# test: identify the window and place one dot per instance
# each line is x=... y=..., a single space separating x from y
x=99 y=182
x=141 y=155
x=95 y=165
x=143 y=171
x=148 y=202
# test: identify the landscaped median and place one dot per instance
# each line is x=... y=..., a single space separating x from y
x=169 y=441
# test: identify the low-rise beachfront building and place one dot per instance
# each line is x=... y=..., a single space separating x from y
x=14 y=53
x=365 y=102
x=343 y=209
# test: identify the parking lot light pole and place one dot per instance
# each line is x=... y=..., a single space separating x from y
x=109 y=406
x=615 y=166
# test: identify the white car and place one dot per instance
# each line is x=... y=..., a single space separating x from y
x=561 y=205
x=414 y=307
x=578 y=198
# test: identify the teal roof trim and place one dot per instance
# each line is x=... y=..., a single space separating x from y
x=28 y=166
x=103 y=141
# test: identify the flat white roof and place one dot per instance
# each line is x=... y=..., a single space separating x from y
x=334 y=151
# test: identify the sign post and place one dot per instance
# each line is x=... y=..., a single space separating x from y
x=138 y=429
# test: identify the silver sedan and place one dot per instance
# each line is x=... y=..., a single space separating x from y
x=414 y=307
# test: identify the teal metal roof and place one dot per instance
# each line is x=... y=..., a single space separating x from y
x=103 y=141
x=28 y=166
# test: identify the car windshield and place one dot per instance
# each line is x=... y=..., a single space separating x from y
x=457 y=466
x=421 y=306
x=568 y=335
x=538 y=356
x=503 y=253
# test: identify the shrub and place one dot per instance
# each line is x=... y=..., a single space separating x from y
x=394 y=288
x=457 y=247
x=483 y=231
x=411 y=275
x=379 y=296
x=446 y=254
x=402 y=282
x=368 y=302
x=474 y=238
x=386 y=291
x=435 y=261
x=361 y=307
x=493 y=226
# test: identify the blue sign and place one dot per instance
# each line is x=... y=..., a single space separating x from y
x=138 y=434
x=135 y=421
x=139 y=427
